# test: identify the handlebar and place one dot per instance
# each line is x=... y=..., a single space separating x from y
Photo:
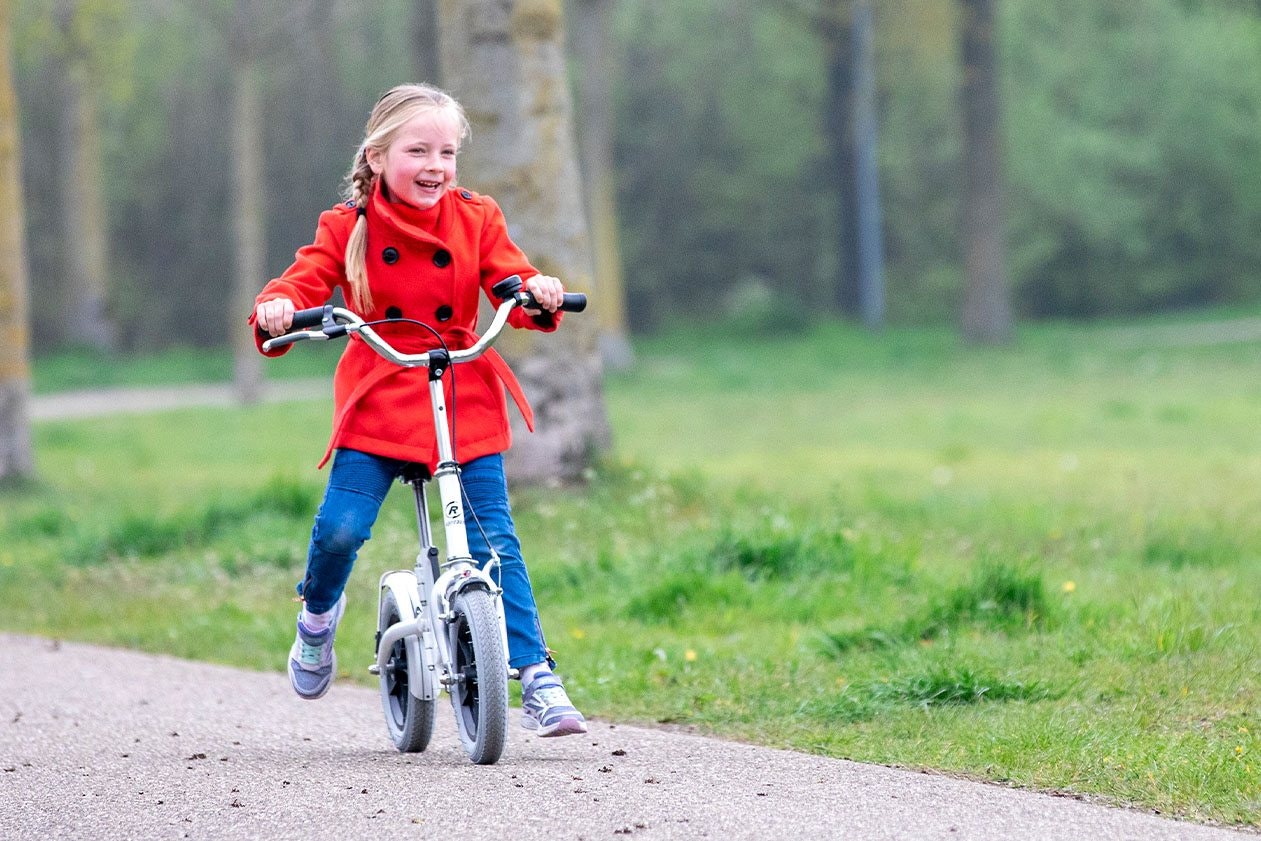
x=305 y=319
x=335 y=322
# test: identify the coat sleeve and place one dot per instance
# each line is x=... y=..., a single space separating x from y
x=317 y=269
x=500 y=258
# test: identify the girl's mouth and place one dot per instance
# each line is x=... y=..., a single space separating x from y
x=429 y=185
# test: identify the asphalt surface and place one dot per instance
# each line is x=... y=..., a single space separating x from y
x=105 y=743
x=91 y=403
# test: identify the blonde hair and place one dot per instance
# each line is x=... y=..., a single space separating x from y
x=397 y=107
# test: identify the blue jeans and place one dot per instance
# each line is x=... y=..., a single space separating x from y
x=357 y=485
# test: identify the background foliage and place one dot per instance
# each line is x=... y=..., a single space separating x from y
x=1132 y=141
x=1132 y=151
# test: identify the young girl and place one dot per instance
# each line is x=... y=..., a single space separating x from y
x=409 y=243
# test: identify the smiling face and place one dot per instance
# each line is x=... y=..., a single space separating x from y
x=418 y=165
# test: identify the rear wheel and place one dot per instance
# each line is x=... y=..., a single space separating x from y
x=408 y=719
x=479 y=693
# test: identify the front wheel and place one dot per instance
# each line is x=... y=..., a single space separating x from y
x=479 y=692
x=408 y=719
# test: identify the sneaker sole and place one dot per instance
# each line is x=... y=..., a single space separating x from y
x=564 y=727
x=323 y=689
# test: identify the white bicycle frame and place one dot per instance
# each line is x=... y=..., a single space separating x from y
x=424 y=595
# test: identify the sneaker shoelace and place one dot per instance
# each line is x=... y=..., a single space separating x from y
x=311 y=653
x=552 y=696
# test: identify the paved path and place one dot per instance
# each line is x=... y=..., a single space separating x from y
x=104 y=743
x=68 y=405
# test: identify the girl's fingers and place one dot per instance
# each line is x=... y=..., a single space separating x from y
x=548 y=291
x=276 y=316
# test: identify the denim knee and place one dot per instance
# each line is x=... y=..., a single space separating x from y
x=341 y=529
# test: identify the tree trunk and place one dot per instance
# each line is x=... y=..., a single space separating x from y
x=591 y=48
x=836 y=27
x=248 y=223
x=987 y=313
x=505 y=60
x=866 y=172
x=16 y=458
x=425 y=41
x=85 y=230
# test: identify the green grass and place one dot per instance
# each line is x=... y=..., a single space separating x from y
x=1036 y=564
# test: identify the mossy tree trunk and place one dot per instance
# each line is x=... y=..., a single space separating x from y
x=505 y=61
x=16 y=457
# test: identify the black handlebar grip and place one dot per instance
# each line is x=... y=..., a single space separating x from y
x=285 y=339
x=306 y=319
x=570 y=301
x=574 y=302
x=509 y=286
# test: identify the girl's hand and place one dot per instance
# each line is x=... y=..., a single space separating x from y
x=547 y=290
x=274 y=317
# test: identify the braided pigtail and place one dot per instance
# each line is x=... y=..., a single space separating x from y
x=360 y=179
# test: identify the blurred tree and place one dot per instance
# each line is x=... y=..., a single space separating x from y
x=425 y=38
x=172 y=185
x=593 y=54
x=287 y=95
x=249 y=220
x=987 y=311
x=316 y=105
x=1135 y=154
x=16 y=458
x=1131 y=152
x=918 y=70
x=323 y=64
x=87 y=31
x=505 y=61
x=870 y=239
x=725 y=188
x=834 y=21
x=72 y=58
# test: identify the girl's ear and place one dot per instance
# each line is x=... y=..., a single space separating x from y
x=375 y=159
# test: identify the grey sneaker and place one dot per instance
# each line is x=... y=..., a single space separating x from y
x=546 y=708
x=312 y=660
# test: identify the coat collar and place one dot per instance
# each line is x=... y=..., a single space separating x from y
x=414 y=222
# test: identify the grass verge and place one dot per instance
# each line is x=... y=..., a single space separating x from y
x=1035 y=564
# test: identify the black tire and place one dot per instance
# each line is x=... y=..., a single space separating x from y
x=479 y=694
x=408 y=719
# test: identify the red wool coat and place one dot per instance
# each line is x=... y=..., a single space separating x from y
x=433 y=272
